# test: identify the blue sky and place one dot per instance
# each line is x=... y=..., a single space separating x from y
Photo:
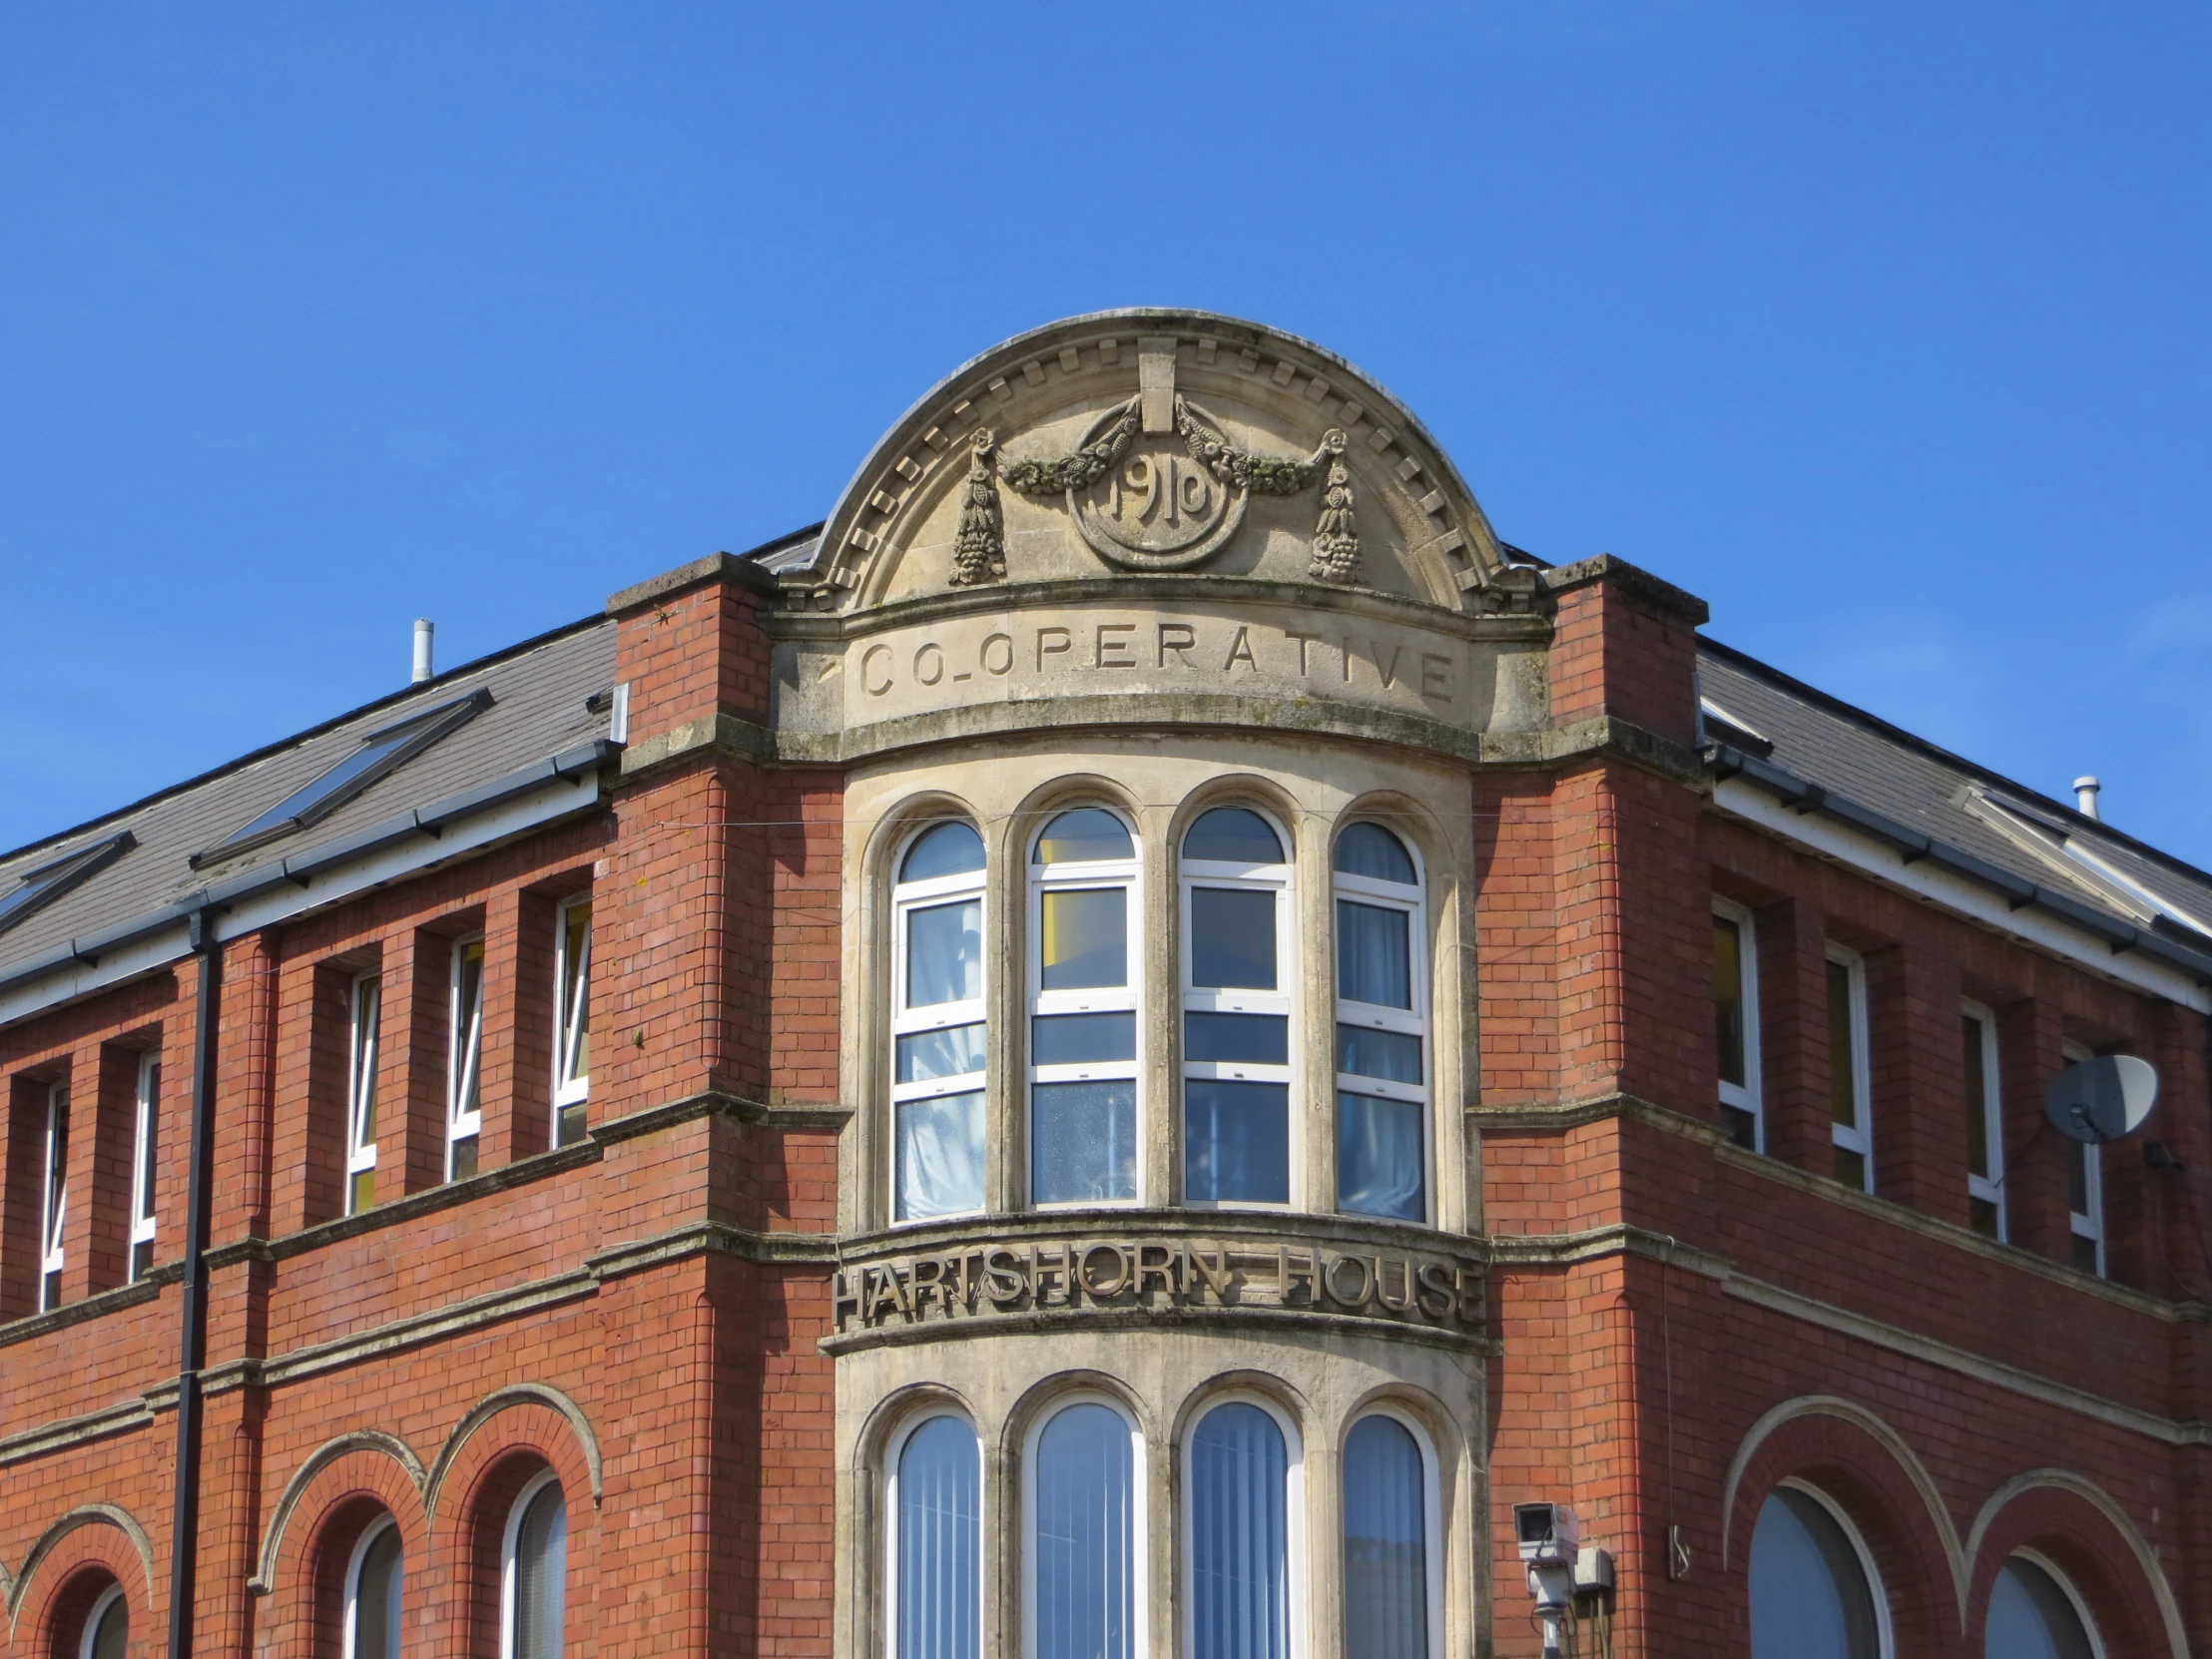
x=1880 y=326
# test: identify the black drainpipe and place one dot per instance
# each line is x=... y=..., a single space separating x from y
x=183 y=1525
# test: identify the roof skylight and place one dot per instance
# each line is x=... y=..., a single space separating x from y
x=46 y=883
x=2055 y=839
x=383 y=751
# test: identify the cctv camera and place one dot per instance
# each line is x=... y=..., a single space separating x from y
x=1547 y=1532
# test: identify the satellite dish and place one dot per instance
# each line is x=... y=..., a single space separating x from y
x=2102 y=1099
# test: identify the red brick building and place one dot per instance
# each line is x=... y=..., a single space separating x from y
x=1111 y=1055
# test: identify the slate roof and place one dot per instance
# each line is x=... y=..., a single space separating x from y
x=538 y=691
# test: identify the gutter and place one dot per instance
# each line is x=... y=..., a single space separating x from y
x=184 y=1529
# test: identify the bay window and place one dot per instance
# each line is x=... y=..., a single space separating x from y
x=1083 y=1011
x=937 y=1025
x=1236 y=955
x=1382 y=1028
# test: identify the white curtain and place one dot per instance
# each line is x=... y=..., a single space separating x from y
x=1385 y=1544
x=1239 y=1546
x=944 y=953
x=1379 y=1157
x=1372 y=959
x=940 y=1156
x=541 y=1572
x=1084 y=1539
x=939 y=1524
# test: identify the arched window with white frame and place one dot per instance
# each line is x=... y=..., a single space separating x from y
x=1383 y=1094
x=1242 y=1535
x=1083 y=911
x=934 y=1540
x=1083 y=1531
x=1814 y=1593
x=533 y=1571
x=1237 y=973
x=1392 y=1541
x=937 y=1024
x=107 y=1627
x=373 y=1585
x=2035 y=1613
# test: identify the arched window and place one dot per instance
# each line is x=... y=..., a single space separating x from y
x=533 y=1578
x=1381 y=1029
x=1083 y=1590
x=372 y=1593
x=937 y=1025
x=2033 y=1614
x=1237 y=1534
x=107 y=1626
x=1083 y=1011
x=1389 y=1576
x=1235 y=1010
x=934 y=1541
x=1814 y=1594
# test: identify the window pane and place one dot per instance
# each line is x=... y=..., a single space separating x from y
x=1236 y=1142
x=940 y=1156
x=1742 y=1127
x=112 y=1640
x=2084 y=1254
x=1240 y=1553
x=926 y=1056
x=365 y=1008
x=1809 y=1596
x=1233 y=938
x=1233 y=836
x=1370 y=849
x=1073 y=1039
x=467 y=1034
x=1728 y=999
x=1385 y=1544
x=948 y=849
x=1981 y=1215
x=376 y=1599
x=542 y=1573
x=1373 y=960
x=1255 y=1039
x=1851 y=1167
x=2078 y=1154
x=2030 y=1618
x=1082 y=1547
x=1089 y=834
x=1083 y=1142
x=1086 y=938
x=576 y=993
x=1379 y=1157
x=939 y=1542
x=1977 y=1102
x=150 y=1125
x=1843 y=1053
x=1394 y=1056
x=944 y=953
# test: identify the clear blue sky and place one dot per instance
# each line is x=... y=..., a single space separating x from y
x=1883 y=325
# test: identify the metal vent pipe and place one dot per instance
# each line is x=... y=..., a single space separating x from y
x=2085 y=797
x=423 y=629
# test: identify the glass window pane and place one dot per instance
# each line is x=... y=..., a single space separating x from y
x=1977 y=1101
x=1085 y=938
x=1808 y=1595
x=112 y=1638
x=150 y=1126
x=926 y=1056
x=1233 y=938
x=1728 y=999
x=1742 y=1127
x=946 y=850
x=2084 y=1254
x=541 y=1575
x=1077 y=1039
x=1385 y=1544
x=576 y=995
x=939 y=1542
x=1233 y=836
x=940 y=1156
x=2078 y=1154
x=1255 y=1039
x=944 y=953
x=1373 y=955
x=1843 y=1052
x=1236 y=1142
x=1394 y=1056
x=2030 y=1618
x=376 y=1599
x=1083 y=1543
x=1239 y=1548
x=1380 y=1157
x=1089 y=834
x=1370 y=849
x=1083 y=1142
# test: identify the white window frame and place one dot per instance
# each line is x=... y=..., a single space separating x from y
x=908 y=897
x=894 y=1450
x=1990 y=1188
x=365 y=1004
x=464 y=1050
x=143 y=1128
x=1748 y=1096
x=2057 y=1575
x=2088 y=1224
x=1294 y=1515
x=508 y=1564
x=1140 y=1545
x=1413 y=902
x=108 y=1598
x=571 y=1011
x=53 y=1208
x=1884 y=1636
x=1126 y=874
x=1857 y=1135
x=1283 y=1000
x=1432 y=1514
x=370 y=1534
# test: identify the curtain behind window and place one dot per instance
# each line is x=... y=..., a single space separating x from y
x=541 y=1570
x=939 y=1542
x=1239 y=1546
x=1084 y=1541
x=1386 y=1544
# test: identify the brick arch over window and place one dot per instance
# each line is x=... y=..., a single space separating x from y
x=573 y=1421
x=340 y=1491
x=2085 y=1533
x=366 y=1445
x=98 y=1539
x=1859 y=1460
